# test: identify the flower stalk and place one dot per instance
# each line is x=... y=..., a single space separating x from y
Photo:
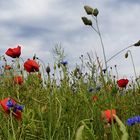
x=102 y=44
x=132 y=63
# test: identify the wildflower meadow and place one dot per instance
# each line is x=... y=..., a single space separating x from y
x=41 y=102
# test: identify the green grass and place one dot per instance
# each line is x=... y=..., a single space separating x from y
x=56 y=113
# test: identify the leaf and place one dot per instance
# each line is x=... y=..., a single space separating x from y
x=122 y=128
x=79 y=133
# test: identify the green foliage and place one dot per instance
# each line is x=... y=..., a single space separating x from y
x=55 y=112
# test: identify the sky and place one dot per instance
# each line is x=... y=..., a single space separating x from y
x=38 y=25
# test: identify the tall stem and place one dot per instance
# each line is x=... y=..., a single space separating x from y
x=119 y=53
x=43 y=70
x=99 y=33
x=133 y=63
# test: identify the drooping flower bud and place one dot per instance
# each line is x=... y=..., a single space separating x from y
x=126 y=55
x=88 y=10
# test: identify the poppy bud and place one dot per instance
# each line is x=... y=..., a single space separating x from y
x=95 y=12
x=86 y=21
x=137 y=44
x=48 y=69
x=34 y=57
x=88 y=10
x=126 y=55
x=58 y=65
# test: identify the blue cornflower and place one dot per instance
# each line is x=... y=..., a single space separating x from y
x=9 y=103
x=132 y=121
x=94 y=90
x=64 y=63
x=91 y=89
x=18 y=107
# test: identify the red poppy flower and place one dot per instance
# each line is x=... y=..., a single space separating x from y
x=6 y=106
x=15 y=52
x=94 y=98
x=18 y=115
x=107 y=115
x=31 y=66
x=7 y=67
x=18 y=80
x=122 y=83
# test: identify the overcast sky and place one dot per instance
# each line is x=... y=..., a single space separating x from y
x=38 y=25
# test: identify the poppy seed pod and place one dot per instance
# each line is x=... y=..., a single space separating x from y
x=88 y=10
x=48 y=69
x=95 y=12
x=126 y=55
x=87 y=21
x=137 y=44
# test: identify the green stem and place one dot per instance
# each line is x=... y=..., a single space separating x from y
x=95 y=30
x=99 y=33
x=58 y=120
x=118 y=53
x=43 y=70
x=14 y=136
x=133 y=63
x=134 y=68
